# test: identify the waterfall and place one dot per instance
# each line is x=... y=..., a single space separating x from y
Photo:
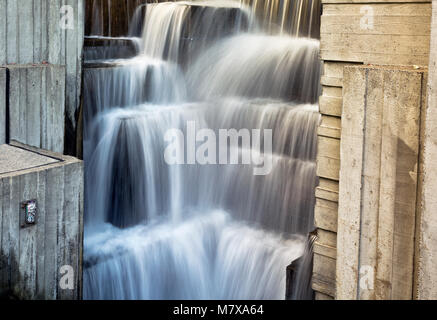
x=193 y=230
x=284 y=68
x=300 y=18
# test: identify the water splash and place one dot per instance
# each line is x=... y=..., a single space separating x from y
x=204 y=258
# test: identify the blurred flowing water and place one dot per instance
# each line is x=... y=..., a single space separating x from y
x=212 y=231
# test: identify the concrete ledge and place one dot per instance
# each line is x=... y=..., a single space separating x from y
x=109 y=48
x=328 y=158
x=324 y=275
x=322 y=296
x=330 y=127
x=327 y=190
x=330 y=106
x=325 y=215
x=32 y=255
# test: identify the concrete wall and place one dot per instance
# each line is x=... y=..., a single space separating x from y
x=31 y=33
x=380 y=143
x=36 y=102
x=426 y=286
x=3 y=85
x=395 y=33
x=31 y=256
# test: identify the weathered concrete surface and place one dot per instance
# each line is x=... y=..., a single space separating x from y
x=36 y=105
x=400 y=35
x=31 y=256
x=324 y=264
x=30 y=32
x=377 y=32
x=14 y=159
x=380 y=145
x=426 y=287
x=3 y=85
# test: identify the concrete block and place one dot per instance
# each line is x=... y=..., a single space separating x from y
x=326 y=244
x=325 y=215
x=330 y=127
x=334 y=70
x=328 y=158
x=329 y=185
x=330 y=91
x=37 y=105
x=31 y=33
x=330 y=105
x=322 y=296
x=330 y=81
x=324 y=266
x=378 y=180
x=327 y=190
x=32 y=255
x=324 y=275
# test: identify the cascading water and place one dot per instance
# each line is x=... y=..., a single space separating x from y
x=199 y=231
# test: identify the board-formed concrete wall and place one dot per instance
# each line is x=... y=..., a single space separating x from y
x=426 y=287
x=32 y=32
x=36 y=102
x=36 y=259
x=355 y=32
x=380 y=148
x=3 y=85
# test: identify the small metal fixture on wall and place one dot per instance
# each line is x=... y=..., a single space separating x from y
x=29 y=211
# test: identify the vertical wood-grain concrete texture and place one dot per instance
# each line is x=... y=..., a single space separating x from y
x=426 y=287
x=355 y=32
x=36 y=97
x=380 y=147
x=31 y=33
x=31 y=256
x=3 y=95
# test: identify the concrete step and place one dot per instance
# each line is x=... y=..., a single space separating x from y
x=106 y=48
